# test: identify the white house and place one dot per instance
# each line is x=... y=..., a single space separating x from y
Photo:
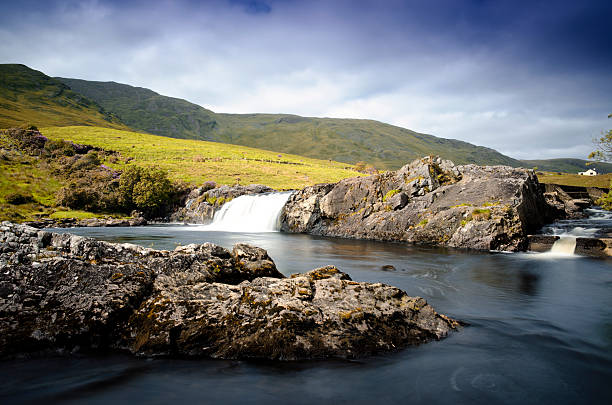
x=590 y=172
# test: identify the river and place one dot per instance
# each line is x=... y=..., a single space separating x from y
x=539 y=331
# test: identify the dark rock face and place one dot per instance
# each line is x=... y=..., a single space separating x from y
x=64 y=292
x=89 y=222
x=202 y=202
x=429 y=201
x=572 y=200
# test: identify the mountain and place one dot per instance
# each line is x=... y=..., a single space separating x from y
x=28 y=96
x=345 y=140
x=567 y=165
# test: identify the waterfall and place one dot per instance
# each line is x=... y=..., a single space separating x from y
x=565 y=245
x=250 y=213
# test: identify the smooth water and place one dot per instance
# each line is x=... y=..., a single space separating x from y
x=540 y=331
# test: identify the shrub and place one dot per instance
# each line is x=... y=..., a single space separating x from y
x=19 y=198
x=88 y=161
x=59 y=148
x=360 y=166
x=146 y=189
x=209 y=185
x=605 y=201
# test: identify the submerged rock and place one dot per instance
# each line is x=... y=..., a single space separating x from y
x=65 y=292
x=429 y=201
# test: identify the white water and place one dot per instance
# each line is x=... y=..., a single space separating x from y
x=565 y=245
x=597 y=225
x=249 y=213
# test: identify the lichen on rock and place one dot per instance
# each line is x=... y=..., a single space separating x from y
x=429 y=201
x=65 y=292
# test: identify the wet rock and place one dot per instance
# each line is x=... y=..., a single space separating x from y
x=429 y=201
x=65 y=292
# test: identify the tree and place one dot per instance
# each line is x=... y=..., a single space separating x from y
x=603 y=153
x=146 y=189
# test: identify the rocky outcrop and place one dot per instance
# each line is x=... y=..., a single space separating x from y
x=88 y=222
x=572 y=200
x=202 y=202
x=66 y=292
x=429 y=201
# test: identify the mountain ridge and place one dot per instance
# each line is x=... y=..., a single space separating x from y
x=340 y=139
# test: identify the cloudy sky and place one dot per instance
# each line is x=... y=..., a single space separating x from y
x=532 y=79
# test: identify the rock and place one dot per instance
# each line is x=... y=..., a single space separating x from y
x=596 y=247
x=202 y=203
x=541 y=243
x=429 y=201
x=65 y=292
x=88 y=222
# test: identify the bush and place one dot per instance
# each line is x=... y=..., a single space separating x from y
x=605 y=201
x=59 y=148
x=146 y=189
x=19 y=198
x=88 y=161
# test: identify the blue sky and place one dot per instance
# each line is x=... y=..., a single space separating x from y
x=532 y=79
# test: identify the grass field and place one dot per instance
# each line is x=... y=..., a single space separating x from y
x=21 y=176
x=195 y=161
x=565 y=179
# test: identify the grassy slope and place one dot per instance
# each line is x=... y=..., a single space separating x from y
x=601 y=181
x=567 y=165
x=344 y=140
x=199 y=161
x=28 y=96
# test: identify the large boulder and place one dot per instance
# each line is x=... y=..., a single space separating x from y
x=65 y=292
x=429 y=201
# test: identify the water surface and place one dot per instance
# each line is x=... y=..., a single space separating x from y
x=540 y=331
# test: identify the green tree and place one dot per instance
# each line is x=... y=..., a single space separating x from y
x=603 y=153
x=146 y=189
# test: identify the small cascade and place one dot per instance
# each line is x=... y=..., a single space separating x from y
x=250 y=213
x=565 y=245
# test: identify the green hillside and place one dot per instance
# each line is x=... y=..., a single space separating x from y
x=567 y=165
x=29 y=96
x=30 y=181
x=196 y=161
x=344 y=140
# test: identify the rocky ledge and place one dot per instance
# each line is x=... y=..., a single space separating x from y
x=429 y=201
x=65 y=292
x=88 y=222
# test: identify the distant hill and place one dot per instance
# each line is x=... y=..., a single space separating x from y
x=28 y=96
x=345 y=140
x=567 y=165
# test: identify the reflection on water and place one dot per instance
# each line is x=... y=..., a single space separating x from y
x=540 y=331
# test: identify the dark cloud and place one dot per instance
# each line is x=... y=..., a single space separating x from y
x=253 y=6
x=530 y=78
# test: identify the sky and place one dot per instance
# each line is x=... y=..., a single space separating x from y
x=531 y=79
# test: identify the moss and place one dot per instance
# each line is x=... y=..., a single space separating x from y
x=481 y=214
x=423 y=222
x=390 y=194
x=462 y=205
